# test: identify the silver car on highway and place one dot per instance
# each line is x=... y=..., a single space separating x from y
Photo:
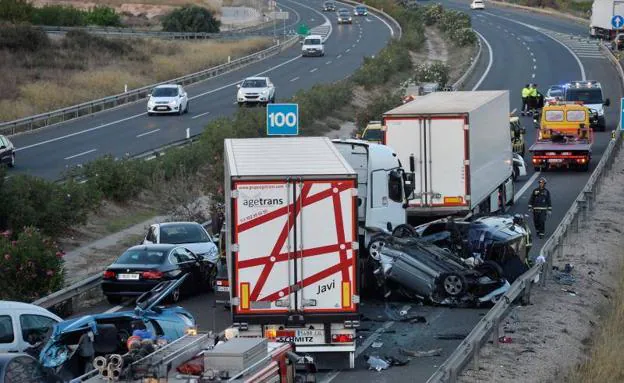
x=255 y=90
x=168 y=98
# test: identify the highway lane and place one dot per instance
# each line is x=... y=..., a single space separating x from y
x=128 y=130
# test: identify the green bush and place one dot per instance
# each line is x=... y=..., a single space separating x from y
x=84 y=41
x=30 y=264
x=436 y=72
x=59 y=15
x=104 y=16
x=16 y=11
x=380 y=104
x=23 y=38
x=191 y=18
x=391 y=60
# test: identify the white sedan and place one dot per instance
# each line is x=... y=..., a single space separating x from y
x=168 y=98
x=477 y=4
x=190 y=234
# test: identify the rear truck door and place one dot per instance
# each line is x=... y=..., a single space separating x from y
x=440 y=148
x=326 y=246
x=264 y=243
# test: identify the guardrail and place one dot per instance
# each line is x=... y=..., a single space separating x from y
x=81 y=110
x=131 y=32
x=460 y=82
x=470 y=347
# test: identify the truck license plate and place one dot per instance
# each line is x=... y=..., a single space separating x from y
x=128 y=277
x=555 y=160
x=223 y=289
x=303 y=337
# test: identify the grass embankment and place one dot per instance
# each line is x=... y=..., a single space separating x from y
x=604 y=362
x=579 y=8
x=48 y=74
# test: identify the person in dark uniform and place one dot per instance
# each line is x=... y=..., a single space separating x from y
x=539 y=204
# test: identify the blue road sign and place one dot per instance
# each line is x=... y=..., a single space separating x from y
x=622 y=113
x=282 y=119
x=617 y=21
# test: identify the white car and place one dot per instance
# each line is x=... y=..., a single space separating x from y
x=477 y=4
x=190 y=234
x=255 y=90
x=168 y=98
x=23 y=324
x=313 y=46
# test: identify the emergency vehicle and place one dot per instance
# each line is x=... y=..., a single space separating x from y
x=590 y=94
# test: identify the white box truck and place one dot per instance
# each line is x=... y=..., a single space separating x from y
x=600 y=25
x=292 y=244
x=458 y=145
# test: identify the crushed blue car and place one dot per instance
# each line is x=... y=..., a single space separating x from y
x=74 y=344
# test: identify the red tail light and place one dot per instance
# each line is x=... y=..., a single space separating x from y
x=109 y=274
x=342 y=338
x=152 y=274
x=223 y=282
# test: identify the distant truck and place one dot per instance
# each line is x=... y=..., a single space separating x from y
x=564 y=138
x=458 y=145
x=292 y=245
x=600 y=25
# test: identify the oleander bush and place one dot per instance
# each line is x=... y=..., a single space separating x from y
x=191 y=18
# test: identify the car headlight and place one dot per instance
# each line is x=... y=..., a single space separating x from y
x=265 y=92
x=150 y=103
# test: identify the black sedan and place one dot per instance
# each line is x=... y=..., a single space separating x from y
x=142 y=267
x=7 y=152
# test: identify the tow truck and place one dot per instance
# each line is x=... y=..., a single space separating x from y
x=564 y=136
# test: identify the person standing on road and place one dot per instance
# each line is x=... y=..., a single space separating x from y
x=533 y=99
x=539 y=204
x=526 y=92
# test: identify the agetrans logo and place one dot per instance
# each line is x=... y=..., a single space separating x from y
x=263 y=202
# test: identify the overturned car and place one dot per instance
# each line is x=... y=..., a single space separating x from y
x=452 y=262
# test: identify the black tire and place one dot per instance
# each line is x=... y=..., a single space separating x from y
x=490 y=269
x=113 y=299
x=186 y=110
x=180 y=111
x=12 y=162
x=453 y=284
x=150 y=114
x=404 y=230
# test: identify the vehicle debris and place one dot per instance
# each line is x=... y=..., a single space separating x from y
x=421 y=354
x=376 y=363
x=377 y=344
x=564 y=277
x=505 y=339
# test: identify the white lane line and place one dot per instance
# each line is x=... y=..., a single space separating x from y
x=533 y=75
x=78 y=133
x=313 y=70
x=146 y=133
x=348 y=50
x=534 y=67
x=294 y=79
x=526 y=186
x=534 y=60
x=383 y=21
x=339 y=56
x=490 y=62
x=203 y=114
x=113 y=309
x=531 y=53
x=80 y=154
x=357 y=41
x=353 y=46
x=328 y=62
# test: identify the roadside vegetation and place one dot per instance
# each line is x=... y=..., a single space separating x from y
x=48 y=74
x=580 y=8
x=22 y=11
x=197 y=169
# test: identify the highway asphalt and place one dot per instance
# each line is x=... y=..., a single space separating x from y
x=128 y=130
x=515 y=54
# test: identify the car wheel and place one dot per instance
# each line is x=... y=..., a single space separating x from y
x=454 y=284
x=490 y=269
x=113 y=299
x=404 y=231
x=150 y=113
x=240 y=104
x=180 y=111
x=186 y=110
x=175 y=295
x=12 y=163
x=375 y=246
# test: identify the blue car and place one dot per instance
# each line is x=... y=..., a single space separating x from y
x=74 y=343
x=360 y=10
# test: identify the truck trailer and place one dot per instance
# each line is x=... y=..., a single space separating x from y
x=458 y=145
x=292 y=245
x=600 y=25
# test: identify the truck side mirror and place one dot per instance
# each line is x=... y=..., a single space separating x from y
x=409 y=179
x=607 y=102
x=412 y=163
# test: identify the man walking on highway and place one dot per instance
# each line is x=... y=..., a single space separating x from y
x=539 y=204
x=526 y=91
x=533 y=99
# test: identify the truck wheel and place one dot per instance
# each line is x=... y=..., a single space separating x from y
x=404 y=230
x=454 y=284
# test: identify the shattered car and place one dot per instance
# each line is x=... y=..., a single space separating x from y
x=420 y=270
x=74 y=344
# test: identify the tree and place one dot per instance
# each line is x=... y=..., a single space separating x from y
x=191 y=18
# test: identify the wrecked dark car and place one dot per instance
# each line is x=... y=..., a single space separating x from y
x=75 y=343
x=420 y=270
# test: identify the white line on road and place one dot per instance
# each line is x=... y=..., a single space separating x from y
x=348 y=50
x=146 y=133
x=203 y=114
x=534 y=66
x=533 y=75
x=526 y=186
x=534 y=60
x=313 y=70
x=490 y=62
x=329 y=62
x=339 y=56
x=294 y=79
x=531 y=53
x=80 y=154
x=353 y=46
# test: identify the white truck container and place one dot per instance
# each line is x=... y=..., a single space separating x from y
x=291 y=218
x=602 y=14
x=458 y=143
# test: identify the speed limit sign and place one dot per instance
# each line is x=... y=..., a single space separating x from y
x=282 y=119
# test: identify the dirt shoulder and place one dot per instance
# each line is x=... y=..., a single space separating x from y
x=553 y=334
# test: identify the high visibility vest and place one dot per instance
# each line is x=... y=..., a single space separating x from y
x=526 y=92
x=533 y=92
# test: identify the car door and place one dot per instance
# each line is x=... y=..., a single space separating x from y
x=34 y=327
x=8 y=339
x=188 y=264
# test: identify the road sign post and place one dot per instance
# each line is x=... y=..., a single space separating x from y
x=282 y=119
x=617 y=21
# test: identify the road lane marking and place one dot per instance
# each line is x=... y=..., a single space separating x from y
x=313 y=70
x=294 y=79
x=78 y=133
x=146 y=133
x=339 y=56
x=348 y=50
x=203 y=114
x=328 y=62
x=80 y=154
x=526 y=186
x=353 y=46
x=533 y=75
x=534 y=67
x=490 y=62
x=534 y=60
